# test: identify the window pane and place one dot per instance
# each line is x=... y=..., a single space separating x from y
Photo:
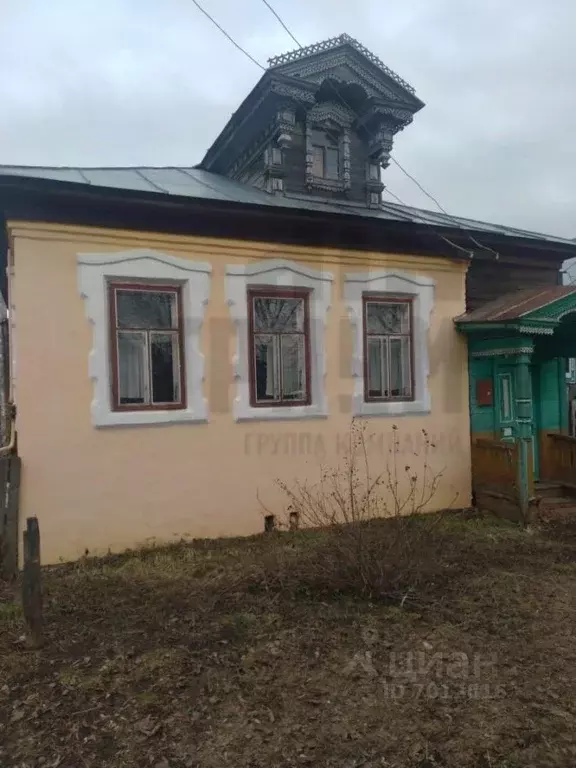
x=400 y=384
x=146 y=309
x=506 y=398
x=332 y=163
x=377 y=367
x=133 y=385
x=165 y=367
x=293 y=367
x=384 y=317
x=278 y=315
x=318 y=161
x=266 y=374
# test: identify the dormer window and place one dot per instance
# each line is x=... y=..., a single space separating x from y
x=325 y=156
x=326 y=164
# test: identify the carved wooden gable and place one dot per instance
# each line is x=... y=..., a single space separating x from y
x=320 y=122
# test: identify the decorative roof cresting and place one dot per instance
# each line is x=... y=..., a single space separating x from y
x=335 y=42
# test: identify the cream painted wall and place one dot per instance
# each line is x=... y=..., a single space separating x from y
x=117 y=487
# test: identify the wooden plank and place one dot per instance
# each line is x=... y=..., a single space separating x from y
x=32 y=582
x=502 y=507
x=10 y=558
x=5 y=568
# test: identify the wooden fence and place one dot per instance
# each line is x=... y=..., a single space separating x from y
x=9 y=512
x=502 y=478
x=559 y=459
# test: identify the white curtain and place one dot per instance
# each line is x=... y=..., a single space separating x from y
x=293 y=366
x=271 y=368
x=375 y=383
x=400 y=366
x=132 y=358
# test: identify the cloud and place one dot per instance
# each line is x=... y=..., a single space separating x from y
x=122 y=82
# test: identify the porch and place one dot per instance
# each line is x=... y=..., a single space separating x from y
x=523 y=457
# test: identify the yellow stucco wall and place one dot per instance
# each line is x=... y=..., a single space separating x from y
x=117 y=487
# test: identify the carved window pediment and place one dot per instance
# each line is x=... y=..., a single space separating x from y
x=328 y=147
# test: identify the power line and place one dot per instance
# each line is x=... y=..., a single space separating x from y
x=444 y=211
x=267 y=4
x=230 y=38
x=339 y=95
x=427 y=223
x=440 y=207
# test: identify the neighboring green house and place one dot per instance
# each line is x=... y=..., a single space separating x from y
x=518 y=347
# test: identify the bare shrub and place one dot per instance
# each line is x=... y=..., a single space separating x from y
x=372 y=531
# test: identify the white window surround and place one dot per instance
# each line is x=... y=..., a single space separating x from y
x=95 y=270
x=382 y=282
x=278 y=273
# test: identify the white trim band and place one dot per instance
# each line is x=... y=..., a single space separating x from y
x=278 y=273
x=381 y=282
x=94 y=272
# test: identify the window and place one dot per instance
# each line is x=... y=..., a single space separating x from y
x=147 y=352
x=505 y=397
x=318 y=162
x=325 y=156
x=277 y=279
x=279 y=348
x=395 y=287
x=147 y=270
x=331 y=162
x=388 y=349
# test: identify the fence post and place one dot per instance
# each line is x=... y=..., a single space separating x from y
x=32 y=582
x=11 y=508
x=4 y=554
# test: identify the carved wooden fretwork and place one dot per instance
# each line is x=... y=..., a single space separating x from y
x=315 y=72
x=280 y=130
x=331 y=111
x=293 y=92
x=309 y=155
x=336 y=42
x=336 y=118
x=381 y=145
x=337 y=88
x=346 y=158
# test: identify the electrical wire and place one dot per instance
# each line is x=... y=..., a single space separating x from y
x=254 y=61
x=440 y=207
x=229 y=37
x=427 y=223
x=415 y=181
x=267 y=4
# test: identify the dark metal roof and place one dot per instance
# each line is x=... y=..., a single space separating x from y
x=515 y=305
x=194 y=183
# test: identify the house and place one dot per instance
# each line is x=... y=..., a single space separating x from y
x=182 y=337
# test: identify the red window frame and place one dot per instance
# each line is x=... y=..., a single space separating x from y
x=367 y=298
x=176 y=289
x=274 y=293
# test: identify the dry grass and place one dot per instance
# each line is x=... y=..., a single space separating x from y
x=243 y=653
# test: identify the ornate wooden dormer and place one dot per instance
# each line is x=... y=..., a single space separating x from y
x=320 y=121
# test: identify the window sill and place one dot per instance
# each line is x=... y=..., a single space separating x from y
x=107 y=418
x=396 y=408
x=331 y=185
x=278 y=413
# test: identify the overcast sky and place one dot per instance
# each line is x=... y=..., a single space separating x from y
x=152 y=82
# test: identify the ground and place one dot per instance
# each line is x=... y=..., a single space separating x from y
x=222 y=654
